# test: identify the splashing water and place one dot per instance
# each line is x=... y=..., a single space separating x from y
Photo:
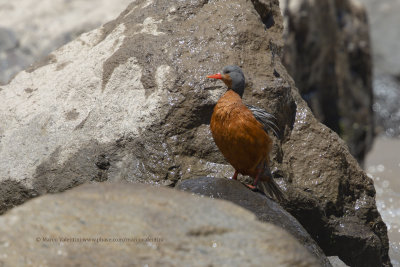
x=383 y=166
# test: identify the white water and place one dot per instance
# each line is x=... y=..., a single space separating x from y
x=383 y=166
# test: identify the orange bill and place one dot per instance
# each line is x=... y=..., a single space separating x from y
x=215 y=76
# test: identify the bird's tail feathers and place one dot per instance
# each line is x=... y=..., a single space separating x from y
x=268 y=185
x=272 y=189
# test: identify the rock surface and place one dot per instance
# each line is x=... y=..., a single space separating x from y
x=264 y=208
x=26 y=37
x=327 y=52
x=183 y=230
x=130 y=101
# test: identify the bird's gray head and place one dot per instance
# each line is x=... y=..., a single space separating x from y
x=233 y=77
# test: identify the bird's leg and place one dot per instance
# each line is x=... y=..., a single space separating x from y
x=257 y=177
x=254 y=185
x=234 y=177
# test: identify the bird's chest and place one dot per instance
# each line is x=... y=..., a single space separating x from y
x=226 y=113
x=222 y=119
x=238 y=135
x=227 y=127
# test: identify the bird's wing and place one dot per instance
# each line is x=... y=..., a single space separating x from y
x=266 y=119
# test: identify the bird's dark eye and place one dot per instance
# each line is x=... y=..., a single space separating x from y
x=227 y=72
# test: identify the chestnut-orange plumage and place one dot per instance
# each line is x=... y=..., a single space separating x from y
x=240 y=132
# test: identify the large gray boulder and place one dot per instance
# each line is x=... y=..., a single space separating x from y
x=140 y=225
x=130 y=101
x=328 y=54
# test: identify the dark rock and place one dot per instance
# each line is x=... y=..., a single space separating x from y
x=264 y=208
x=328 y=54
x=349 y=235
x=13 y=193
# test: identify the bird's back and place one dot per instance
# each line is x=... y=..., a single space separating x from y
x=238 y=135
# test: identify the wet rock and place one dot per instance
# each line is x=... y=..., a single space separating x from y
x=327 y=52
x=130 y=93
x=56 y=229
x=130 y=101
x=47 y=26
x=264 y=208
x=348 y=235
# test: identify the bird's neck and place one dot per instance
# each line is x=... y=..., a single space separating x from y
x=231 y=96
x=238 y=90
x=234 y=92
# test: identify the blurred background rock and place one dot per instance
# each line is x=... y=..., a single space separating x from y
x=327 y=52
x=343 y=56
x=30 y=30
